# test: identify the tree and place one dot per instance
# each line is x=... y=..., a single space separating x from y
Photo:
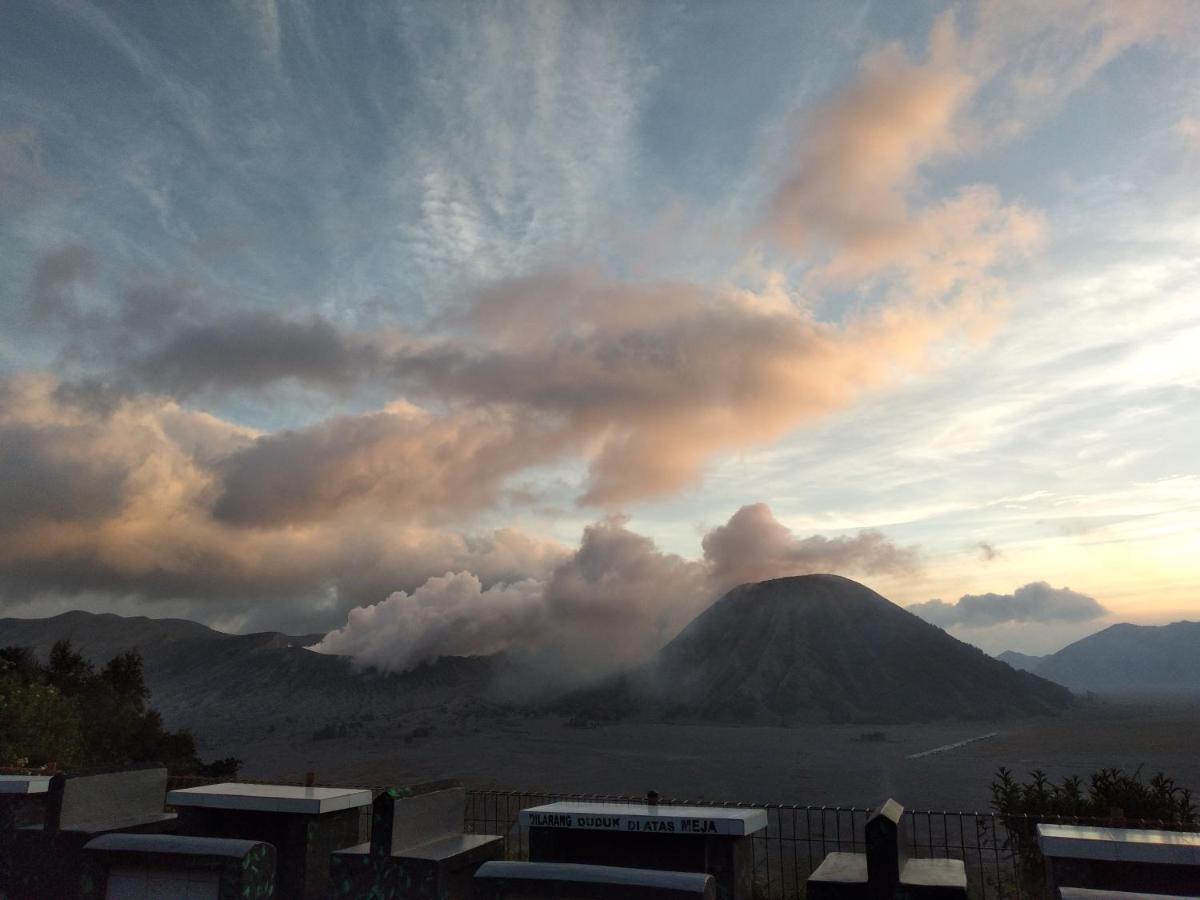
x=38 y=724
x=68 y=671
x=67 y=712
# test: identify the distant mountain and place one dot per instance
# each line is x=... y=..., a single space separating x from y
x=217 y=683
x=811 y=648
x=1130 y=659
x=821 y=648
x=1021 y=661
x=100 y=637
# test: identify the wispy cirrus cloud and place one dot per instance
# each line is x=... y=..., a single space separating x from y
x=405 y=217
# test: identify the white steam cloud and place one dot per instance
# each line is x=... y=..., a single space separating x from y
x=610 y=604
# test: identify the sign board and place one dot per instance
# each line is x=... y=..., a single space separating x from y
x=640 y=818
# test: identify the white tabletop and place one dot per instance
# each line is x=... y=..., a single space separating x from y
x=1119 y=844
x=24 y=784
x=643 y=818
x=280 y=798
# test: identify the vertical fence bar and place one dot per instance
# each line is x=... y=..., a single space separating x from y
x=979 y=829
x=996 y=852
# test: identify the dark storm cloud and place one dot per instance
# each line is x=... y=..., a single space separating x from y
x=252 y=350
x=167 y=336
x=1035 y=602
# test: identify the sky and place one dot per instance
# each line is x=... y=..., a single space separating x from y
x=453 y=328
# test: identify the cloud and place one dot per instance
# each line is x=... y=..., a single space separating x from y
x=171 y=337
x=253 y=350
x=754 y=546
x=648 y=382
x=987 y=552
x=854 y=197
x=57 y=272
x=609 y=605
x=1035 y=602
x=645 y=383
x=132 y=495
x=619 y=598
x=854 y=191
x=402 y=460
x=113 y=495
x=449 y=615
x=859 y=155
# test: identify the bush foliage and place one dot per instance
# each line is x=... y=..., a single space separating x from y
x=1159 y=799
x=66 y=712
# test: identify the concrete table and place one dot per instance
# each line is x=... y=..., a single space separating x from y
x=644 y=836
x=1121 y=859
x=24 y=784
x=22 y=802
x=304 y=824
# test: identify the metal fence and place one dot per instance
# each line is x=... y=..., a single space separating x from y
x=999 y=852
x=798 y=837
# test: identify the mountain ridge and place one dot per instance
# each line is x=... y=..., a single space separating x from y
x=1127 y=658
x=814 y=648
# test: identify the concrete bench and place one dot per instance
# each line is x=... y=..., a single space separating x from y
x=886 y=870
x=166 y=865
x=532 y=881
x=417 y=849
x=1138 y=860
x=45 y=857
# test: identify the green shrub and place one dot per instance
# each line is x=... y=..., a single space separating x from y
x=1159 y=799
x=67 y=713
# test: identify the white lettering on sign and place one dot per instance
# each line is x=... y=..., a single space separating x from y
x=599 y=822
x=634 y=818
x=551 y=820
x=662 y=825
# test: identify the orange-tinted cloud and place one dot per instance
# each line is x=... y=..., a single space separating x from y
x=649 y=382
x=754 y=546
x=855 y=193
x=114 y=494
x=858 y=157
